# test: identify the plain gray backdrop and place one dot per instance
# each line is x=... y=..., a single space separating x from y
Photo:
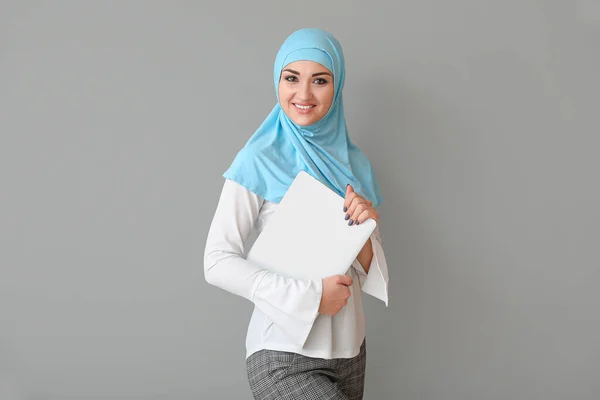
x=117 y=119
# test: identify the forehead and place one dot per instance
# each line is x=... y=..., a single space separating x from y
x=307 y=67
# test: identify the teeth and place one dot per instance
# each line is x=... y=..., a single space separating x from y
x=303 y=107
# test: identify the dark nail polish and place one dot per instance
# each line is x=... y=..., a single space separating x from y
x=345 y=208
x=347 y=216
x=350 y=222
x=357 y=222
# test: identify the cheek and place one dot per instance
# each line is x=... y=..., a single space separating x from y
x=284 y=95
x=327 y=98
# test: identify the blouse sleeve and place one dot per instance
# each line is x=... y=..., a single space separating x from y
x=375 y=282
x=292 y=304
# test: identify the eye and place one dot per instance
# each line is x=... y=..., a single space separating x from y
x=290 y=78
x=320 y=81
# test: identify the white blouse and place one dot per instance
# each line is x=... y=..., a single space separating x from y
x=285 y=315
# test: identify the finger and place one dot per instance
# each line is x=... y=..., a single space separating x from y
x=348 y=203
x=356 y=211
x=343 y=294
x=356 y=200
x=363 y=216
x=344 y=280
x=349 y=191
x=352 y=207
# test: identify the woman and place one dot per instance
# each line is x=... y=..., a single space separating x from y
x=306 y=338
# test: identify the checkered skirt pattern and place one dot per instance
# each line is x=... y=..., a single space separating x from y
x=280 y=375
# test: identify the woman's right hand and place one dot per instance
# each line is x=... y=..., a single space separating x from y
x=335 y=294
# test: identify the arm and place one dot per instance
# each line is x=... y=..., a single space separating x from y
x=290 y=303
x=366 y=256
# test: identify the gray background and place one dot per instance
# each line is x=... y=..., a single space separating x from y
x=117 y=119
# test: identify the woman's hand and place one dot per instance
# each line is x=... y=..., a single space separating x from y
x=357 y=208
x=335 y=294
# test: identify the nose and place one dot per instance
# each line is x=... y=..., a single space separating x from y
x=304 y=91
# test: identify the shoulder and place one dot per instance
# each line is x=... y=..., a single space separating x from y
x=236 y=189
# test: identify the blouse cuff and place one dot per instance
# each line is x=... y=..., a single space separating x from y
x=292 y=304
x=375 y=282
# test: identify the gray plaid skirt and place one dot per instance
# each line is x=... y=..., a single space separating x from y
x=280 y=375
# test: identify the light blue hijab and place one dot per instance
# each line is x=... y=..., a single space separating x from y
x=279 y=149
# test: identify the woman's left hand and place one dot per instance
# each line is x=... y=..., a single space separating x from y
x=357 y=209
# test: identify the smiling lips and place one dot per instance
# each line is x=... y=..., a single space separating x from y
x=304 y=108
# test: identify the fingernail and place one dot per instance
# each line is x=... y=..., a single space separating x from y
x=345 y=208
x=350 y=222
x=347 y=216
x=357 y=222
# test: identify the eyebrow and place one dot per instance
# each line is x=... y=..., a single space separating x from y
x=317 y=74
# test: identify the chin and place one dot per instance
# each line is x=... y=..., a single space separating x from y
x=305 y=120
x=302 y=122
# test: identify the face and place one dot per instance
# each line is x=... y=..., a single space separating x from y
x=305 y=91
